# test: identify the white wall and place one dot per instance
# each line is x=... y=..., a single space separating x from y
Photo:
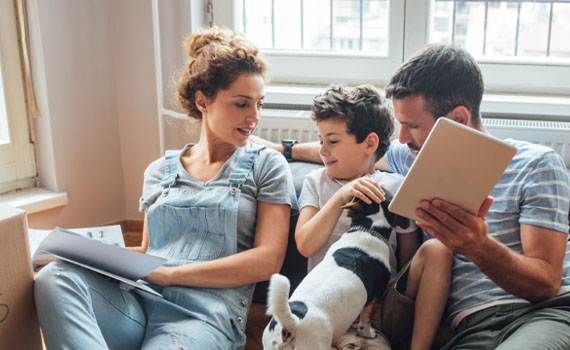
x=93 y=65
x=135 y=84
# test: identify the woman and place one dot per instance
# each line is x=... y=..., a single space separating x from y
x=218 y=211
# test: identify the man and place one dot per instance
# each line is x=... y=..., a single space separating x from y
x=511 y=273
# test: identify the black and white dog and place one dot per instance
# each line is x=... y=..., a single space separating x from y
x=353 y=274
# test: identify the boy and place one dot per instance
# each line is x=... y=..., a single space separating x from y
x=355 y=126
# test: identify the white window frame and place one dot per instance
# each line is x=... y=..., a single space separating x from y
x=409 y=30
x=322 y=67
x=17 y=158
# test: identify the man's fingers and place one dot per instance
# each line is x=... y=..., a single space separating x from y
x=487 y=203
x=441 y=215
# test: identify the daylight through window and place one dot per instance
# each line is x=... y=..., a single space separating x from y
x=318 y=25
x=521 y=29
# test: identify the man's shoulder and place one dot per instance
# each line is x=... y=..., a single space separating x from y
x=529 y=149
x=390 y=180
x=530 y=154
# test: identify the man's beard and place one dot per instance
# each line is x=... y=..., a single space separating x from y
x=413 y=147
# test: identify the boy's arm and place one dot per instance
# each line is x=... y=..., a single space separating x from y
x=315 y=226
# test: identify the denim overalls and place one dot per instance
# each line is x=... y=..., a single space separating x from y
x=187 y=226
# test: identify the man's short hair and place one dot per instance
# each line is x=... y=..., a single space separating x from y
x=446 y=76
x=363 y=110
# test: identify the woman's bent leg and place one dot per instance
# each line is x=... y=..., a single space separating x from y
x=185 y=334
x=80 y=309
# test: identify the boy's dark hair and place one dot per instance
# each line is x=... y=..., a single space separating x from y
x=446 y=76
x=363 y=110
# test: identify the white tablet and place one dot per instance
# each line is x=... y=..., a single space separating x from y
x=456 y=163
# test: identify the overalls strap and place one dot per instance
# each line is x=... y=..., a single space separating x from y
x=170 y=168
x=240 y=173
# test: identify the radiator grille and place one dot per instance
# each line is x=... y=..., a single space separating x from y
x=278 y=124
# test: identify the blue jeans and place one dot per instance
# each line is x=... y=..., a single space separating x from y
x=80 y=309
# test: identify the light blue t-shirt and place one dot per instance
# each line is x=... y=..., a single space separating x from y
x=534 y=190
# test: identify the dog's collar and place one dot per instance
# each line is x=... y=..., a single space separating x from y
x=369 y=230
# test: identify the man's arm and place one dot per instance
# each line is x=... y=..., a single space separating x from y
x=535 y=275
x=306 y=151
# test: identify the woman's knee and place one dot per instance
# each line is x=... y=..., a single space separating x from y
x=57 y=276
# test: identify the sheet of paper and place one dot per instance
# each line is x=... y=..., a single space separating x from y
x=36 y=237
x=107 y=234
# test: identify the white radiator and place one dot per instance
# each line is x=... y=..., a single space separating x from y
x=278 y=124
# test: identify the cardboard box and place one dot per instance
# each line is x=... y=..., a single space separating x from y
x=19 y=326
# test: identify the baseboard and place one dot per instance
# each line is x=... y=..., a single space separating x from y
x=129 y=225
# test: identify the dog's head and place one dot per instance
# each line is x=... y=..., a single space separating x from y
x=374 y=214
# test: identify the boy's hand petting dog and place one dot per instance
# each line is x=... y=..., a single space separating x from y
x=365 y=188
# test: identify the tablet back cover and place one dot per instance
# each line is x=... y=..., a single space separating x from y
x=456 y=163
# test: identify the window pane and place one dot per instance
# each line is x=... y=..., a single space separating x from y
x=287 y=24
x=346 y=25
x=4 y=132
x=560 y=44
x=258 y=24
x=533 y=31
x=442 y=21
x=470 y=26
x=324 y=25
x=502 y=29
x=316 y=24
x=376 y=22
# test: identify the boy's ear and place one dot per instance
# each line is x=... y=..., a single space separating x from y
x=371 y=142
x=201 y=101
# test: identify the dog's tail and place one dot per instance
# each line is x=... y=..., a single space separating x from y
x=278 y=302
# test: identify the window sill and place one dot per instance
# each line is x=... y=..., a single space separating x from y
x=34 y=200
x=494 y=104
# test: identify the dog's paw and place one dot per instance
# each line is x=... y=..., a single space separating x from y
x=366 y=331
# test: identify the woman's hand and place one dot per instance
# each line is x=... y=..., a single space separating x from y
x=162 y=276
x=366 y=188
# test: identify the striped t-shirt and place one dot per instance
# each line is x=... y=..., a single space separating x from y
x=534 y=190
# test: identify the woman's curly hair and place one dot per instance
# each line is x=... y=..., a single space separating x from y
x=217 y=58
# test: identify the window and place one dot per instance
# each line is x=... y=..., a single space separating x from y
x=321 y=41
x=17 y=161
x=318 y=25
x=521 y=45
x=531 y=30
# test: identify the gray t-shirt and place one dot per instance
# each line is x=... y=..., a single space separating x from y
x=270 y=181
